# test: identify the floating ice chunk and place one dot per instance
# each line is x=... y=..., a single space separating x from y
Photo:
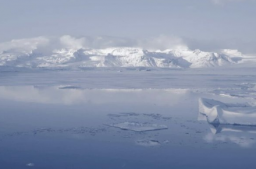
x=125 y=114
x=216 y=112
x=148 y=143
x=69 y=87
x=139 y=126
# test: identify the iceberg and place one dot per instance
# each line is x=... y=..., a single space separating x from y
x=138 y=127
x=216 y=112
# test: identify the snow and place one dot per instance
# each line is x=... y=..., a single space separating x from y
x=70 y=52
x=217 y=112
x=139 y=127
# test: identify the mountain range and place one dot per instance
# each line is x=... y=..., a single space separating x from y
x=77 y=56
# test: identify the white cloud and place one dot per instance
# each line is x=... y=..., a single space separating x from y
x=159 y=42
x=46 y=45
x=24 y=45
x=162 y=42
x=72 y=42
x=67 y=41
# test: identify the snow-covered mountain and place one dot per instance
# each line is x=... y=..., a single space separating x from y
x=32 y=54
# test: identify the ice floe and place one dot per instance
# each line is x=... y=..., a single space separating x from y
x=148 y=143
x=139 y=127
x=124 y=114
x=217 y=112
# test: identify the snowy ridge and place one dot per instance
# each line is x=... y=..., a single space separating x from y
x=34 y=53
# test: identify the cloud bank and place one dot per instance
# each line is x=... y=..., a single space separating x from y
x=45 y=44
x=161 y=42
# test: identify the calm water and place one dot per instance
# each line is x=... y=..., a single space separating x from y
x=67 y=127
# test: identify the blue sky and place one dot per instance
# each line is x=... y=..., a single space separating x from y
x=204 y=24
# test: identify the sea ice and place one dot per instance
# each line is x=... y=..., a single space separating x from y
x=216 y=112
x=139 y=127
x=148 y=143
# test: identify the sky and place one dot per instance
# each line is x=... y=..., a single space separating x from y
x=205 y=24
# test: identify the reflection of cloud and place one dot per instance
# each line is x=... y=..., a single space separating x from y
x=31 y=94
x=242 y=141
x=70 y=96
